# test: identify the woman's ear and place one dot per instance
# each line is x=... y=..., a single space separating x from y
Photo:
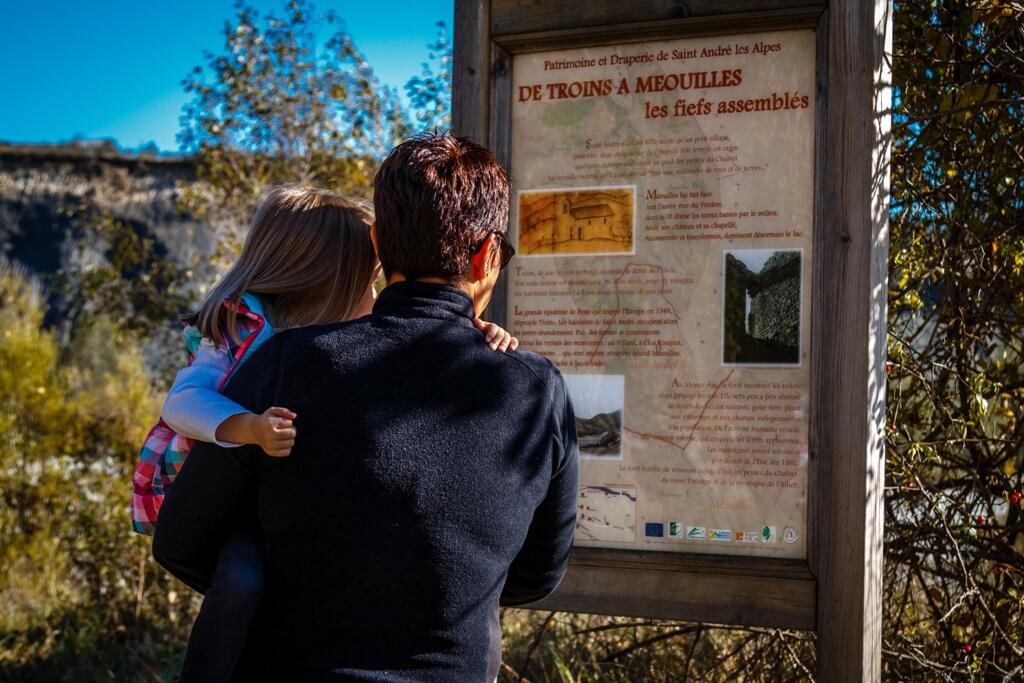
x=494 y=255
x=480 y=264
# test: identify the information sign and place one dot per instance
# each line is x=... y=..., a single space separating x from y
x=662 y=209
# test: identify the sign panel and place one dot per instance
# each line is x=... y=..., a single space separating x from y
x=662 y=210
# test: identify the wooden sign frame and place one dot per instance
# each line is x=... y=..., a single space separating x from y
x=837 y=590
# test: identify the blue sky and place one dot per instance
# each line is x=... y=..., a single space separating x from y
x=113 y=69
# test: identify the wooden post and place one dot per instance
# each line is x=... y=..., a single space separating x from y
x=849 y=419
x=471 y=70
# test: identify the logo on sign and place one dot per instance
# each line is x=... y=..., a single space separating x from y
x=789 y=535
x=749 y=537
x=696 y=533
x=721 y=534
x=654 y=530
x=675 y=530
x=768 y=534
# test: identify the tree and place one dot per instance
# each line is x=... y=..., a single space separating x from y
x=430 y=93
x=277 y=106
x=954 y=571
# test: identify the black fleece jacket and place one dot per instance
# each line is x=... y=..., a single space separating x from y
x=431 y=479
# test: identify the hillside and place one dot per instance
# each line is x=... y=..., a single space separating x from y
x=40 y=184
x=600 y=434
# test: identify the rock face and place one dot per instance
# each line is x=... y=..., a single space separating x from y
x=40 y=184
x=775 y=300
x=770 y=331
x=600 y=434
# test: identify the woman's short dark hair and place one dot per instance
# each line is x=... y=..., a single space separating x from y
x=436 y=198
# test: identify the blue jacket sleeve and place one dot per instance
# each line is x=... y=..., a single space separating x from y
x=541 y=563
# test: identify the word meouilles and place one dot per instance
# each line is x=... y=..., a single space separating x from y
x=693 y=80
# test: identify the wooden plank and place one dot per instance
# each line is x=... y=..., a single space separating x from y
x=715 y=589
x=499 y=141
x=693 y=562
x=641 y=31
x=501 y=105
x=528 y=16
x=822 y=323
x=848 y=422
x=470 y=64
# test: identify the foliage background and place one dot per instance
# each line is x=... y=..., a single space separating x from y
x=81 y=600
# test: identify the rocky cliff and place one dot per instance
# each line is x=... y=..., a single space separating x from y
x=40 y=185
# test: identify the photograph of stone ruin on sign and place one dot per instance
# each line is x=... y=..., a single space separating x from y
x=761 y=307
x=592 y=221
x=598 y=401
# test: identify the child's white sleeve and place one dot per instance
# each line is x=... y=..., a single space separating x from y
x=194 y=407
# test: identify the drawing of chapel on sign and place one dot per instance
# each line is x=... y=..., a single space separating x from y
x=593 y=221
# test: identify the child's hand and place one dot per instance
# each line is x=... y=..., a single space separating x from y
x=274 y=432
x=497 y=338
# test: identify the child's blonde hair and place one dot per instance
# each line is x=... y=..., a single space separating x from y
x=308 y=255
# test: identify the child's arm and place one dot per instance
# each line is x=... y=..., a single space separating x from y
x=497 y=338
x=195 y=408
x=272 y=431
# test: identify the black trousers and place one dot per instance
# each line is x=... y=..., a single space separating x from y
x=229 y=607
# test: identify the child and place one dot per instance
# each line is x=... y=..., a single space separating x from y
x=307 y=260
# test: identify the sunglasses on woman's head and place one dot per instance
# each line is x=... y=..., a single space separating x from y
x=504 y=244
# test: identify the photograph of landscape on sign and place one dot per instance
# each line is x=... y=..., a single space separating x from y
x=598 y=402
x=761 y=307
x=580 y=221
